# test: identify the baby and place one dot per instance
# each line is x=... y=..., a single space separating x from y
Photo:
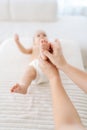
x=33 y=73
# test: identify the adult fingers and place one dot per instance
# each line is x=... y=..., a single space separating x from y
x=48 y=55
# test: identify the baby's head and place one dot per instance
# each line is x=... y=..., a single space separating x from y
x=38 y=36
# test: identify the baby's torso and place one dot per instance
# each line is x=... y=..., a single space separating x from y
x=35 y=53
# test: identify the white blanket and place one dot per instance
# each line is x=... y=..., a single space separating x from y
x=33 y=111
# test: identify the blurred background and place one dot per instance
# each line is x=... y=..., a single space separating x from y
x=72 y=7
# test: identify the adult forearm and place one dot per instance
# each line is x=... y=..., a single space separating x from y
x=77 y=76
x=63 y=109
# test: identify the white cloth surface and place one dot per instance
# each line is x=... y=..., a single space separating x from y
x=33 y=111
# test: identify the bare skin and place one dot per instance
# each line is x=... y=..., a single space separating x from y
x=76 y=75
x=65 y=114
x=30 y=74
x=34 y=52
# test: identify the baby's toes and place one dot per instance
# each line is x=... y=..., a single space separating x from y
x=14 y=88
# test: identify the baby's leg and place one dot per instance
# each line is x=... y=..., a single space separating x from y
x=26 y=80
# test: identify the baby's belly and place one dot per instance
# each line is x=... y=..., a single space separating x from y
x=33 y=57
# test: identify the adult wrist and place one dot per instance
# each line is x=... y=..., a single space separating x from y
x=65 y=67
x=54 y=77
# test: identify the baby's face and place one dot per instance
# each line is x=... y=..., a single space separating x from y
x=39 y=35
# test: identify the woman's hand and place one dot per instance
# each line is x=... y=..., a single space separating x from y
x=48 y=68
x=56 y=57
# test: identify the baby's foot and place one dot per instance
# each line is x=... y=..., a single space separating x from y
x=19 y=89
x=44 y=46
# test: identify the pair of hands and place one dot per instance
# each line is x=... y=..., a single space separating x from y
x=51 y=58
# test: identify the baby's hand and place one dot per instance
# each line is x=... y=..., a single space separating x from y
x=16 y=38
x=44 y=46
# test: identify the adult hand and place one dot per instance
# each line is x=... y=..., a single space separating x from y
x=56 y=57
x=48 y=68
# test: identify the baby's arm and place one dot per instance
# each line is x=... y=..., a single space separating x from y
x=21 y=47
